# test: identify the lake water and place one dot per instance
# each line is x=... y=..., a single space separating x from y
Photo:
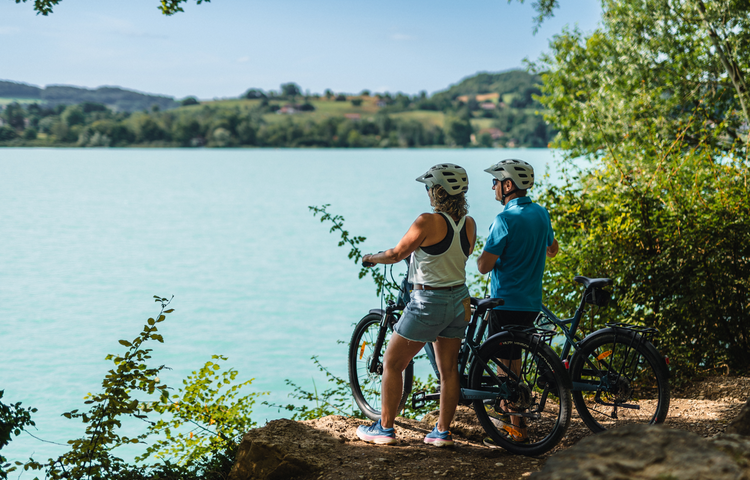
x=88 y=236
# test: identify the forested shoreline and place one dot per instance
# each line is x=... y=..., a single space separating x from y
x=486 y=110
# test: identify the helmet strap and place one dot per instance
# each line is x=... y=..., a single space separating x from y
x=506 y=195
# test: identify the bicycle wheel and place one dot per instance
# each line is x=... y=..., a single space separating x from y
x=619 y=378
x=535 y=392
x=365 y=384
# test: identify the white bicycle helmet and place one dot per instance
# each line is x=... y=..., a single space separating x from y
x=449 y=176
x=520 y=172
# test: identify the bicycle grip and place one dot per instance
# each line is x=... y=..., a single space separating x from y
x=370 y=264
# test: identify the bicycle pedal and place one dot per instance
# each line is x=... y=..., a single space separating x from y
x=418 y=400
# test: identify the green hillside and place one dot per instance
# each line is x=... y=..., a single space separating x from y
x=116 y=98
x=515 y=87
x=484 y=110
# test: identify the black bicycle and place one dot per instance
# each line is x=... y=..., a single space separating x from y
x=536 y=392
x=618 y=376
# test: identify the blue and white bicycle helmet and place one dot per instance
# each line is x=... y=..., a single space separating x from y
x=449 y=176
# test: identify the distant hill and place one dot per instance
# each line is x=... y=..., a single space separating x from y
x=116 y=98
x=513 y=85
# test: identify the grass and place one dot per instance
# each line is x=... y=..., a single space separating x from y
x=427 y=117
x=481 y=123
x=6 y=101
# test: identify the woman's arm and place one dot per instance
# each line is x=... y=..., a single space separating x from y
x=471 y=232
x=410 y=242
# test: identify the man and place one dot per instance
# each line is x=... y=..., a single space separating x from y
x=519 y=239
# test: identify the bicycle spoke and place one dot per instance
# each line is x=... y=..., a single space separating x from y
x=630 y=388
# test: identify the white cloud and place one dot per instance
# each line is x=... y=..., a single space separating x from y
x=9 y=30
x=243 y=59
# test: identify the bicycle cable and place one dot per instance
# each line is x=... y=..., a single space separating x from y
x=382 y=288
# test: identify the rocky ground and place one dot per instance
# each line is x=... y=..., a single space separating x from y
x=334 y=452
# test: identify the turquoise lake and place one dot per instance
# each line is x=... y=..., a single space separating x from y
x=88 y=236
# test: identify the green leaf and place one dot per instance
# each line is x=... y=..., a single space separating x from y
x=125 y=343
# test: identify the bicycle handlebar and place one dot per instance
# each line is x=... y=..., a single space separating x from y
x=370 y=264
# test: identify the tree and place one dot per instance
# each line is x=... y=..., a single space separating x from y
x=649 y=99
x=73 y=115
x=290 y=89
x=254 y=93
x=13 y=420
x=650 y=58
x=459 y=130
x=14 y=115
x=7 y=133
x=187 y=101
x=167 y=7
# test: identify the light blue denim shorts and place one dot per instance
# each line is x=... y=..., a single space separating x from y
x=434 y=313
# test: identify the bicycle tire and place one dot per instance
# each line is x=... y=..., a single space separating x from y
x=631 y=377
x=366 y=385
x=541 y=392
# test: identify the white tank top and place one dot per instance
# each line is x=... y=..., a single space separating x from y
x=447 y=269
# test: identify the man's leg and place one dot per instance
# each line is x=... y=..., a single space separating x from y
x=518 y=422
x=397 y=356
x=446 y=355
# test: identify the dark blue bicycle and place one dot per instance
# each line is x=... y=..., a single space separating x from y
x=524 y=407
x=618 y=376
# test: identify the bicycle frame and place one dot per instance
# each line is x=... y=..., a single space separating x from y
x=468 y=353
x=569 y=328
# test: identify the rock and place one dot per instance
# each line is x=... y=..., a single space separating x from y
x=283 y=449
x=648 y=452
x=741 y=424
x=737 y=446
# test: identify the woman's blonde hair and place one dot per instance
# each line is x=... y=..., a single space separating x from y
x=453 y=205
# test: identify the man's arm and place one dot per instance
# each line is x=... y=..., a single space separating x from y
x=553 y=249
x=486 y=262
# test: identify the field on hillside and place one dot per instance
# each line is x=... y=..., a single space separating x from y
x=26 y=101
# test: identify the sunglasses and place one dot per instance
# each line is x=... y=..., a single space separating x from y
x=495 y=181
x=427 y=188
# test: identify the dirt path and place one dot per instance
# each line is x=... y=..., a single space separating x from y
x=705 y=408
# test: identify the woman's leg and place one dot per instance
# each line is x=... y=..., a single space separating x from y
x=397 y=356
x=446 y=355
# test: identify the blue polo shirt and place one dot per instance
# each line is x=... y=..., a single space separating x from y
x=520 y=236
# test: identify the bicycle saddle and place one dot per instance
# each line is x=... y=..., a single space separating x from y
x=488 y=303
x=592 y=282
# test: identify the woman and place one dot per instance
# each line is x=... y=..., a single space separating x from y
x=439 y=310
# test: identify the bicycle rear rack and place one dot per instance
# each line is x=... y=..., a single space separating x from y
x=646 y=333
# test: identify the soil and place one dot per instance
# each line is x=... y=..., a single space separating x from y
x=704 y=408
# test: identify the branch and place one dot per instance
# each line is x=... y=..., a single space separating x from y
x=167 y=7
x=731 y=66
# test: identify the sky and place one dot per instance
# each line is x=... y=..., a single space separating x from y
x=221 y=49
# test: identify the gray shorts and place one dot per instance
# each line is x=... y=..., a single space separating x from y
x=435 y=313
